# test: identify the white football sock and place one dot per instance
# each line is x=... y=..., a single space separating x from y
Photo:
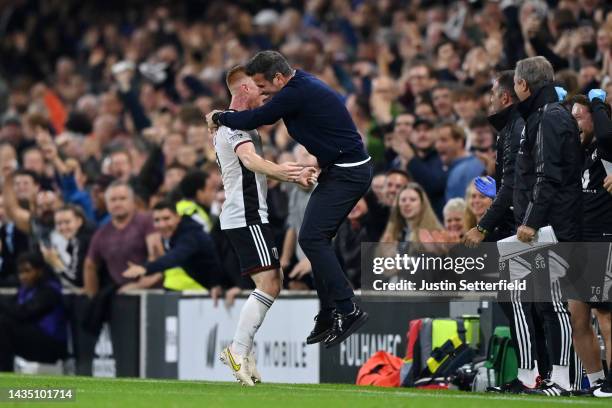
x=560 y=376
x=593 y=377
x=528 y=377
x=251 y=316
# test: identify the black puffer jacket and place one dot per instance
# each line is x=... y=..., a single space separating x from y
x=509 y=123
x=548 y=167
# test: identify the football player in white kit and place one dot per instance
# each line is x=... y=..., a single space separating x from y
x=244 y=218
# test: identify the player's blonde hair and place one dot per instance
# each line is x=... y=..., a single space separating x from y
x=234 y=75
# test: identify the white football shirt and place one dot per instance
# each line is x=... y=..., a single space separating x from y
x=245 y=191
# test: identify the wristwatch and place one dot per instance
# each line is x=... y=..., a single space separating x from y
x=482 y=230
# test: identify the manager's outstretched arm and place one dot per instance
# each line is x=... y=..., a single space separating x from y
x=284 y=103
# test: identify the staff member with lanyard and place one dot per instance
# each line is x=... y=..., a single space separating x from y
x=315 y=117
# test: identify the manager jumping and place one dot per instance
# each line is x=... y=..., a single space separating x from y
x=315 y=117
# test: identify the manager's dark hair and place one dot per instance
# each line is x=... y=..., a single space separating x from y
x=192 y=182
x=268 y=63
x=505 y=81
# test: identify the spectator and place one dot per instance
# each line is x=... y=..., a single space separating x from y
x=425 y=110
x=476 y=206
x=68 y=246
x=417 y=156
x=454 y=212
x=120 y=165
x=34 y=161
x=26 y=186
x=411 y=213
x=462 y=166
x=13 y=242
x=482 y=142
x=68 y=175
x=442 y=97
x=37 y=222
x=421 y=78
x=466 y=107
x=189 y=249
x=33 y=325
x=378 y=187
x=128 y=237
x=198 y=191
x=395 y=181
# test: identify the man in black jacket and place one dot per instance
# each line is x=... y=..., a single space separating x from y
x=509 y=123
x=593 y=117
x=498 y=221
x=188 y=247
x=547 y=192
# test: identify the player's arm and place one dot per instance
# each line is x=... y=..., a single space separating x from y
x=251 y=160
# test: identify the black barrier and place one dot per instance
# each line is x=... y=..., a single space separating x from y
x=115 y=356
x=125 y=335
x=161 y=335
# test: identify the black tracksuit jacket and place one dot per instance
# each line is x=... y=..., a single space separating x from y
x=548 y=188
x=509 y=123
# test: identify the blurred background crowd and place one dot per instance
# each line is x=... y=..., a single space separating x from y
x=102 y=117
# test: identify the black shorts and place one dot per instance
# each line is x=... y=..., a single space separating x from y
x=255 y=247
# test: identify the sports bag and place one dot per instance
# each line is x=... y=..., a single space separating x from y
x=382 y=369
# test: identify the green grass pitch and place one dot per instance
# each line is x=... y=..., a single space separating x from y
x=133 y=393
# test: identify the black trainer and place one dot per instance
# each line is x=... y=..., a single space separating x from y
x=345 y=325
x=324 y=322
x=552 y=389
x=589 y=391
x=605 y=391
x=513 y=387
